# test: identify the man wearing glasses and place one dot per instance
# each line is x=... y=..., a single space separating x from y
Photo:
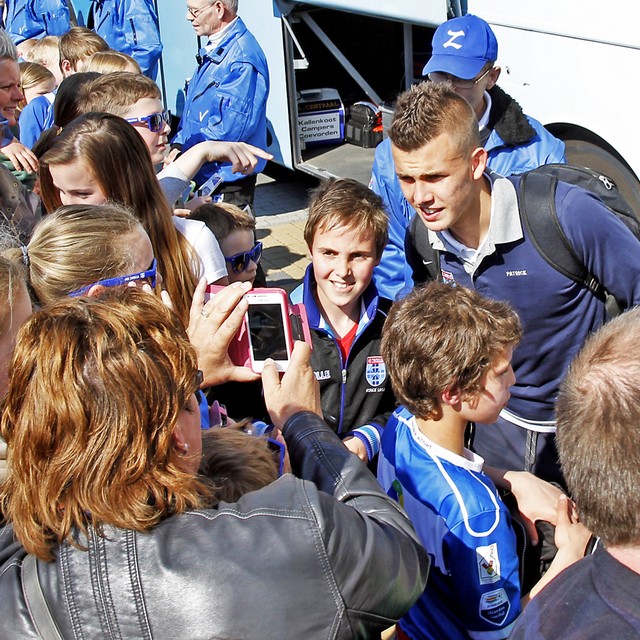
x=227 y=94
x=464 y=53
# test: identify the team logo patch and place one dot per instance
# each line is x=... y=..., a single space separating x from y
x=376 y=371
x=488 y=564
x=447 y=277
x=494 y=606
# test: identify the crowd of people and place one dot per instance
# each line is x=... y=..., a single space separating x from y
x=403 y=476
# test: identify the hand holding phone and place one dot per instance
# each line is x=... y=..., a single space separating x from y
x=269 y=328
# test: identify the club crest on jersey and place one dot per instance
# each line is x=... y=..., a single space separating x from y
x=488 y=564
x=376 y=371
x=447 y=277
x=495 y=606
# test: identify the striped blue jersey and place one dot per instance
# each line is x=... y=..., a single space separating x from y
x=473 y=589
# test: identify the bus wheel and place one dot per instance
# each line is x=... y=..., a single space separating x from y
x=587 y=154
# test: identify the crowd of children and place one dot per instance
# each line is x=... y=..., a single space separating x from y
x=401 y=383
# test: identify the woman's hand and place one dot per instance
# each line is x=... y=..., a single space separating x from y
x=297 y=391
x=212 y=327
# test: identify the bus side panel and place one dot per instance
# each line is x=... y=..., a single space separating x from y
x=263 y=18
x=572 y=81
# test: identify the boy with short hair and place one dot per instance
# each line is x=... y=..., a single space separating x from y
x=74 y=48
x=448 y=350
x=234 y=229
x=346 y=232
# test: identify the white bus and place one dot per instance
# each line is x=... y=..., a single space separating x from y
x=572 y=64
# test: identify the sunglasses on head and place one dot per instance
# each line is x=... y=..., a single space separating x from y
x=240 y=261
x=150 y=274
x=155 y=122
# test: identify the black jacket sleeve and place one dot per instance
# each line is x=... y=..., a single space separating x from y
x=378 y=563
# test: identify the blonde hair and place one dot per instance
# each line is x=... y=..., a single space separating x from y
x=12 y=275
x=96 y=388
x=78 y=44
x=117 y=92
x=110 y=61
x=78 y=245
x=45 y=52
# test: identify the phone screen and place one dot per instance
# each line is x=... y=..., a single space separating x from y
x=267 y=332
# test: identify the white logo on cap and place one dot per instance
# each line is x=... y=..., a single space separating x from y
x=450 y=42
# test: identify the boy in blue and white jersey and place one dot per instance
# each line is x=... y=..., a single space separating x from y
x=448 y=351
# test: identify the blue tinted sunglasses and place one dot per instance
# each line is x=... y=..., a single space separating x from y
x=150 y=274
x=155 y=122
x=277 y=449
x=240 y=261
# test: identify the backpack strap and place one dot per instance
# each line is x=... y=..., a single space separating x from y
x=36 y=602
x=423 y=259
x=537 y=205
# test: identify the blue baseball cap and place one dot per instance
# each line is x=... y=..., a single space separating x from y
x=461 y=47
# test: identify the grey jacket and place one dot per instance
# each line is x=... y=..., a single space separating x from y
x=326 y=556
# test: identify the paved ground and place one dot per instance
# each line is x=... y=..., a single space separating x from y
x=281 y=213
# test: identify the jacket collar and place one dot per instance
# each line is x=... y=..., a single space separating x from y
x=508 y=120
x=217 y=53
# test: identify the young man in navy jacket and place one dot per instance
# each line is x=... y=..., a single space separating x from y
x=472 y=219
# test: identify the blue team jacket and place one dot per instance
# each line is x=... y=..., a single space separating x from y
x=227 y=98
x=36 y=18
x=131 y=27
x=506 y=156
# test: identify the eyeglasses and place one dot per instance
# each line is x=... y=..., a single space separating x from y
x=240 y=261
x=150 y=274
x=458 y=83
x=155 y=122
x=196 y=12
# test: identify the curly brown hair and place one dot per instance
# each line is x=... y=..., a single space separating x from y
x=444 y=337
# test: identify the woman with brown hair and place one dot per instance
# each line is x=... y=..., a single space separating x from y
x=104 y=443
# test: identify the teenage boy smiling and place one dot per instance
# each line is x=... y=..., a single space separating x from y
x=346 y=232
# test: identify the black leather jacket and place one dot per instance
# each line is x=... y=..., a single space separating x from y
x=326 y=556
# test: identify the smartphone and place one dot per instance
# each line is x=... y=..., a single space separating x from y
x=209 y=186
x=269 y=330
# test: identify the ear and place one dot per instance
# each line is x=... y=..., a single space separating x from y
x=478 y=162
x=451 y=397
x=178 y=438
x=95 y=290
x=494 y=74
x=66 y=67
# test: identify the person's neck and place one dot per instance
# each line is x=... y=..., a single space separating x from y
x=340 y=319
x=472 y=228
x=446 y=430
x=628 y=556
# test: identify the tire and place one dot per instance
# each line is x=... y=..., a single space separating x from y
x=587 y=154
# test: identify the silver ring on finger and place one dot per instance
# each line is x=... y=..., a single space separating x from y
x=204 y=314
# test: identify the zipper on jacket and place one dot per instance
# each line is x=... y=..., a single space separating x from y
x=344 y=376
x=106 y=17
x=133 y=29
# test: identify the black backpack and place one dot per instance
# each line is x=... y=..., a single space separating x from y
x=536 y=200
